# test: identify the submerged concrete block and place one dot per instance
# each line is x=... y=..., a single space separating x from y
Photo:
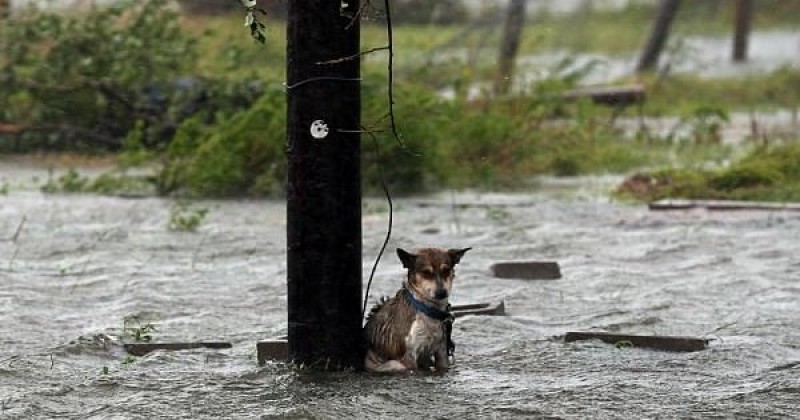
x=491 y=308
x=616 y=96
x=719 y=205
x=276 y=349
x=665 y=343
x=527 y=270
x=140 y=349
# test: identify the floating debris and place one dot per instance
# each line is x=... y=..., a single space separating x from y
x=665 y=343
x=141 y=349
x=722 y=205
x=528 y=270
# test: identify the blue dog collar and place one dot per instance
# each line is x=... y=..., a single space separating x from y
x=430 y=311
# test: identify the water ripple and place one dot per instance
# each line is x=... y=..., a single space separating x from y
x=83 y=264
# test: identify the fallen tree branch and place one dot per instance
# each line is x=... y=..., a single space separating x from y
x=19 y=129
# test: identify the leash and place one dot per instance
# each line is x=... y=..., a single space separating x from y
x=448 y=331
x=390 y=222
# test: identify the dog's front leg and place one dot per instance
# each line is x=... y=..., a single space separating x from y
x=441 y=360
x=409 y=361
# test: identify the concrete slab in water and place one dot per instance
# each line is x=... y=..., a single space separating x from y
x=491 y=308
x=665 y=343
x=273 y=349
x=141 y=349
x=529 y=270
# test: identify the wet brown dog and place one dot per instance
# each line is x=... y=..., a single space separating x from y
x=410 y=331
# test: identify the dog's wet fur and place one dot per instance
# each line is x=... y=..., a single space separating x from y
x=402 y=339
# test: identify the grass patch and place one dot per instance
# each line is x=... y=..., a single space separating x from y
x=109 y=183
x=242 y=154
x=185 y=218
x=681 y=94
x=767 y=173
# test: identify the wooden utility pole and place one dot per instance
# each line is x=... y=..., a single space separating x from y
x=324 y=191
x=512 y=32
x=741 y=31
x=5 y=9
x=658 y=35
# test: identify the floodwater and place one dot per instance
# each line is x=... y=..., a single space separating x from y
x=80 y=264
x=706 y=56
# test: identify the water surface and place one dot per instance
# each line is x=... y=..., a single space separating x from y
x=81 y=264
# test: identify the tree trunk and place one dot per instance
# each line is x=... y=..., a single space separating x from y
x=5 y=9
x=658 y=35
x=741 y=34
x=515 y=21
x=323 y=192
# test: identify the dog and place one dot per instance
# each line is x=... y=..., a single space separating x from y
x=411 y=331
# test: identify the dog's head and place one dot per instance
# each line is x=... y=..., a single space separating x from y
x=431 y=270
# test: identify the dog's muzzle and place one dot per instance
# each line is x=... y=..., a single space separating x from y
x=441 y=292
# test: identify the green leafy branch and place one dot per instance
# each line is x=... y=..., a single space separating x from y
x=140 y=332
x=251 y=21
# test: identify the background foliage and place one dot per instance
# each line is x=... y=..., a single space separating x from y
x=83 y=81
x=201 y=105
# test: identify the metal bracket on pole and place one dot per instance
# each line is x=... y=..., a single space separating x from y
x=319 y=130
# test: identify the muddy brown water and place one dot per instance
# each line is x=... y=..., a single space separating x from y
x=80 y=264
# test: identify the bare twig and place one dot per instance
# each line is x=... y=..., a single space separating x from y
x=390 y=82
x=354 y=56
x=323 y=78
x=10 y=360
x=13 y=257
x=364 y=5
x=15 y=237
x=721 y=327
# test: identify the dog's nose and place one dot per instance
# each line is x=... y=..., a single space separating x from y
x=441 y=294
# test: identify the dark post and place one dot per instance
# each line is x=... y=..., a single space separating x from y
x=323 y=200
x=658 y=35
x=515 y=21
x=5 y=9
x=741 y=31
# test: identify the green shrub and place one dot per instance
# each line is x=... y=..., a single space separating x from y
x=80 y=80
x=784 y=157
x=745 y=176
x=70 y=182
x=770 y=173
x=406 y=163
x=239 y=155
x=184 y=218
x=110 y=183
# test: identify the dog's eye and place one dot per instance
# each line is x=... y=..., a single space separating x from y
x=446 y=272
x=427 y=272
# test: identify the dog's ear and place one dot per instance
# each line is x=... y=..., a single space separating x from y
x=408 y=259
x=456 y=254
